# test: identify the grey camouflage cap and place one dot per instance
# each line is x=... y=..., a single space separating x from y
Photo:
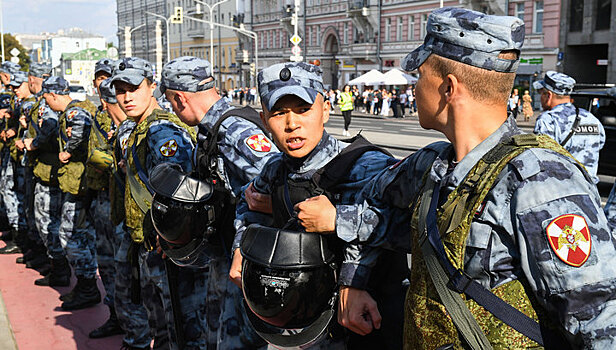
x=56 y=85
x=40 y=70
x=107 y=90
x=300 y=79
x=18 y=78
x=104 y=65
x=558 y=83
x=9 y=67
x=185 y=73
x=132 y=70
x=469 y=37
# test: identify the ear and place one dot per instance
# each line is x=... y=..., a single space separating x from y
x=326 y=108
x=264 y=121
x=451 y=88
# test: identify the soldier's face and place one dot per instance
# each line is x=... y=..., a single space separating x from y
x=115 y=112
x=22 y=91
x=52 y=101
x=134 y=100
x=297 y=126
x=430 y=103
x=98 y=79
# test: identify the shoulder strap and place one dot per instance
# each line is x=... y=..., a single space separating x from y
x=574 y=128
x=337 y=169
x=140 y=193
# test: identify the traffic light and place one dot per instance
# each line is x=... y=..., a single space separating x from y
x=178 y=15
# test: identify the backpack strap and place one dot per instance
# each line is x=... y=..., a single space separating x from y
x=573 y=130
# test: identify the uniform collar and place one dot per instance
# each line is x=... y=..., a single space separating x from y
x=327 y=148
x=442 y=169
x=215 y=112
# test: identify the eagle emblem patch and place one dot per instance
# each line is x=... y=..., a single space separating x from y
x=169 y=148
x=569 y=238
x=259 y=143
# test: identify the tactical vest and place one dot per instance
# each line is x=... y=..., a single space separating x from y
x=137 y=196
x=16 y=154
x=428 y=324
x=12 y=123
x=117 y=182
x=5 y=97
x=97 y=178
x=71 y=175
x=44 y=159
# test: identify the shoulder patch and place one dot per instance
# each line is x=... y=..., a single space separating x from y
x=569 y=238
x=71 y=114
x=41 y=111
x=259 y=143
x=169 y=148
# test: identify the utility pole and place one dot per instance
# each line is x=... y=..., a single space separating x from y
x=128 y=39
x=159 y=49
x=2 y=29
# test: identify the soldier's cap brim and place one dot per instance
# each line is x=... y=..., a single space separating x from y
x=416 y=58
x=104 y=69
x=539 y=84
x=128 y=78
x=159 y=91
x=15 y=83
x=306 y=94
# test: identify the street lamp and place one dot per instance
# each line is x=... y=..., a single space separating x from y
x=166 y=29
x=211 y=8
x=128 y=52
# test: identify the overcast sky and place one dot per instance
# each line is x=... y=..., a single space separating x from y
x=35 y=16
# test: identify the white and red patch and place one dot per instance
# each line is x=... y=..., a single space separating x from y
x=70 y=115
x=41 y=111
x=259 y=143
x=169 y=148
x=569 y=238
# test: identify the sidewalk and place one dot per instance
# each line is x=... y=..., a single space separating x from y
x=36 y=320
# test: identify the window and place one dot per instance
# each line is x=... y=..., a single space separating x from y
x=399 y=30
x=519 y=10
x=576 y=16
x=345 y=33
x=604 y=10
x=411 y=27
x=424 y=23
x=318 y=30
x=538 y=17
x=310 y=36
x=388 y=29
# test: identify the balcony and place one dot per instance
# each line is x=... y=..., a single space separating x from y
x=195 y=33
x=363 y=50
x=358 y=4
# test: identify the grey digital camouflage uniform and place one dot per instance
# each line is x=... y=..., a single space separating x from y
x=39 y=70
x=589 y=136
x=237 y=163
x=300 y=79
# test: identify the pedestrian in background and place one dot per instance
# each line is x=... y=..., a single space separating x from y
x=514 y=104
x=346 y=107
x=527 y=107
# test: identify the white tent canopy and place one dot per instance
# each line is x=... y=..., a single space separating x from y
x=398 y=77
x=373 y=77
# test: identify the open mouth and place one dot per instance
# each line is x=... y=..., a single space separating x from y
x=294 y=143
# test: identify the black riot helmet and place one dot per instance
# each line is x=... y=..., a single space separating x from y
x=181 y=213
x=290 y=284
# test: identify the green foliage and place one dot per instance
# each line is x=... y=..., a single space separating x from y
x=9 y=43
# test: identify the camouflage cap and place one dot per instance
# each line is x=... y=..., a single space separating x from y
x=469 y=37
x=107 y=90
x=558 y=83
x=185 y=73
x=56 y=85
x=18 y=78
x=9 y=67
x=132 y=70
x=300 y=79
x=40 y=70
x=104 y=65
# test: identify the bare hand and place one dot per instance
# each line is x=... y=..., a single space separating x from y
x=258 y=201
x=69 y=131
x=19 y=144
x=122 y=164
x=110 y=135
x=64 y=157
x=28 y=144
x=235 y=273
x=357 y=311
x=22 y=122
x=317 y=214
x=10 y=133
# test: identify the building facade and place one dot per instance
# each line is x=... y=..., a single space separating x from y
x=588 y=40
x=349 y=38
x=78 y=68
x=69 y=41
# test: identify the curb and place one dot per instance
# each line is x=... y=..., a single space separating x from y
x=7 y=338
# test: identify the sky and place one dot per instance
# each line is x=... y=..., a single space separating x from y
x=35 y=16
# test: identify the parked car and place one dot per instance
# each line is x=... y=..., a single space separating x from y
x=604 y=108
x=77 y=92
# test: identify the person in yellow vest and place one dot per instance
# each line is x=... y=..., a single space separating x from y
x=173 y=296
x=510 y=247
x=346 y=107
x=76 y=234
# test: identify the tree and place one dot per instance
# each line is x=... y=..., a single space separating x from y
x=9 y=43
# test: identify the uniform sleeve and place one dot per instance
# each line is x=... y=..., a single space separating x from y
x=245 y=150
x=169 y=143
x=48 y=128
x=567 y=252
x=544 y=125
x=243 y=215
x=80 y=122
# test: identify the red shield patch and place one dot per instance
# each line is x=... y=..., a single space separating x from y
x=70 y=115
x=259 y=143
x=569 y=238
x=169 y=148
x=41 y=111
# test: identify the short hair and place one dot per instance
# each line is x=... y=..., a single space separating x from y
x=483 y=85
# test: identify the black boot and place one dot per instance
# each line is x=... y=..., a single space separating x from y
x=87 y=295
x=12 y=243
x=59 y=275
x=37 y=261
x=69 y=296
x=128 y=347
x=109 y=328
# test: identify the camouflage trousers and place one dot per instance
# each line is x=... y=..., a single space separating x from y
x=132 y=317
x=29 y=183
x=107 y=240
x=610 y=209
x=157 y=301
x=228 y=327
x=47 y=214
x=77 y=236
x=11 y=180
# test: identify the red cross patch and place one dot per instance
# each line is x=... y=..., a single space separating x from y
x=71 y=114
x=169 y=148
x=259 y=143
x=569 y=238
